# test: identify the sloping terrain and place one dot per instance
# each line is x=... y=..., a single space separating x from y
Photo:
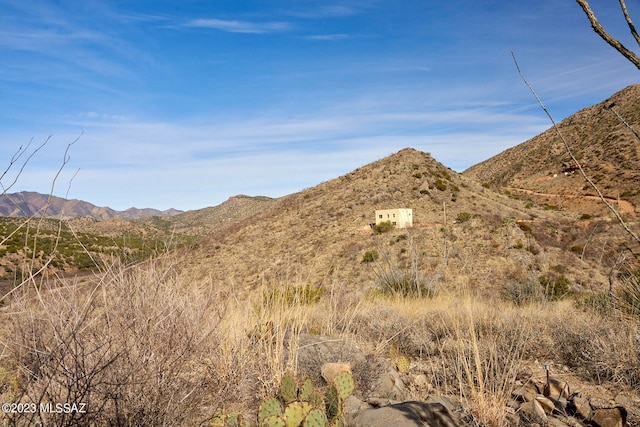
x=202 y=222
x=464 y=235
x=602 y=141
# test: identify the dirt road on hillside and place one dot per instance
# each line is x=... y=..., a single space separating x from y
x=625 y=206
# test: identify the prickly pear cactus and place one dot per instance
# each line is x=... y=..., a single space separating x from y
x=218 y=419
x=344 y=385
x=272 y=421
x=288 y=388
x=403 y=363
x=315 y=418
x=295 y=413
x=306 y=391
x=269 y=408
x=333 y=406
x=234 y=419
x=317 y=399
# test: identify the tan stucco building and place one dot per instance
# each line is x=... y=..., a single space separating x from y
x=401 y=218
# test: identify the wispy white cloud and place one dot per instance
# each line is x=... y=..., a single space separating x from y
x=330 y=11
x=336 y=37
x=234 y=26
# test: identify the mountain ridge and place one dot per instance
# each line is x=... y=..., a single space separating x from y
x=33 y=204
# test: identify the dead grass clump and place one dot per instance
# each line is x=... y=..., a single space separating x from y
x=600 y=348
x=484 y=354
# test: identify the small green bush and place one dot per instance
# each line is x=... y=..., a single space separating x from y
x=463 y=216
x=382 y=227
x=440 y=185
x=554 y=289
x=292 y=295
x=370 y=256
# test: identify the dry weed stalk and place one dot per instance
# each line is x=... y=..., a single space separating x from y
x=486 y=358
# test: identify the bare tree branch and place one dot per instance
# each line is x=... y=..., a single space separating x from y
x=632 y=27
x=599 y=29
x=566 y=144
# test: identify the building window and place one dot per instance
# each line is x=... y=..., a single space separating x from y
x=380 y=216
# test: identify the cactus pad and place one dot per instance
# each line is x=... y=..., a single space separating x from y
x=272 y=421
x=316 y=399
x=344 y=385
x=295 y=413
x=403 y=363
x=333 y=402
x=288 y=388
x=268 y=408
x=233 y=419
x=315 y=418
x=307 y=390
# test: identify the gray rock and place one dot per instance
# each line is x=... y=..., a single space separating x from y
x=389 y=385
x=406 y=414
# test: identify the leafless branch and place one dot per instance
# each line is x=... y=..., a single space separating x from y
x=632 y=27
x=599 y=29
x=631 y=128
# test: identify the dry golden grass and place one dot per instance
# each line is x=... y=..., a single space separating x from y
x=145 y=346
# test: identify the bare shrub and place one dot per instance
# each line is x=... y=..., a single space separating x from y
x=129 y=346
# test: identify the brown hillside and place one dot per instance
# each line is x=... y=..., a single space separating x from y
x=319 y=236
x=607 y=149
x=203 y=222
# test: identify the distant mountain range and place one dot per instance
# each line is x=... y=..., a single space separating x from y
x=28 y=204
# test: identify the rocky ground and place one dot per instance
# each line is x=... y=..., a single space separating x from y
x=394 y=393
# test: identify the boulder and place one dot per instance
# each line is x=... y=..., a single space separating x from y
x=609 y=417
x=556 y=388
x=526 y=392
x=579 y=406
x=532 y=412
x=406 y=414
x=389 y=385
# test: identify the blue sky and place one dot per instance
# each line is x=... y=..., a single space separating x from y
x=185 y=103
